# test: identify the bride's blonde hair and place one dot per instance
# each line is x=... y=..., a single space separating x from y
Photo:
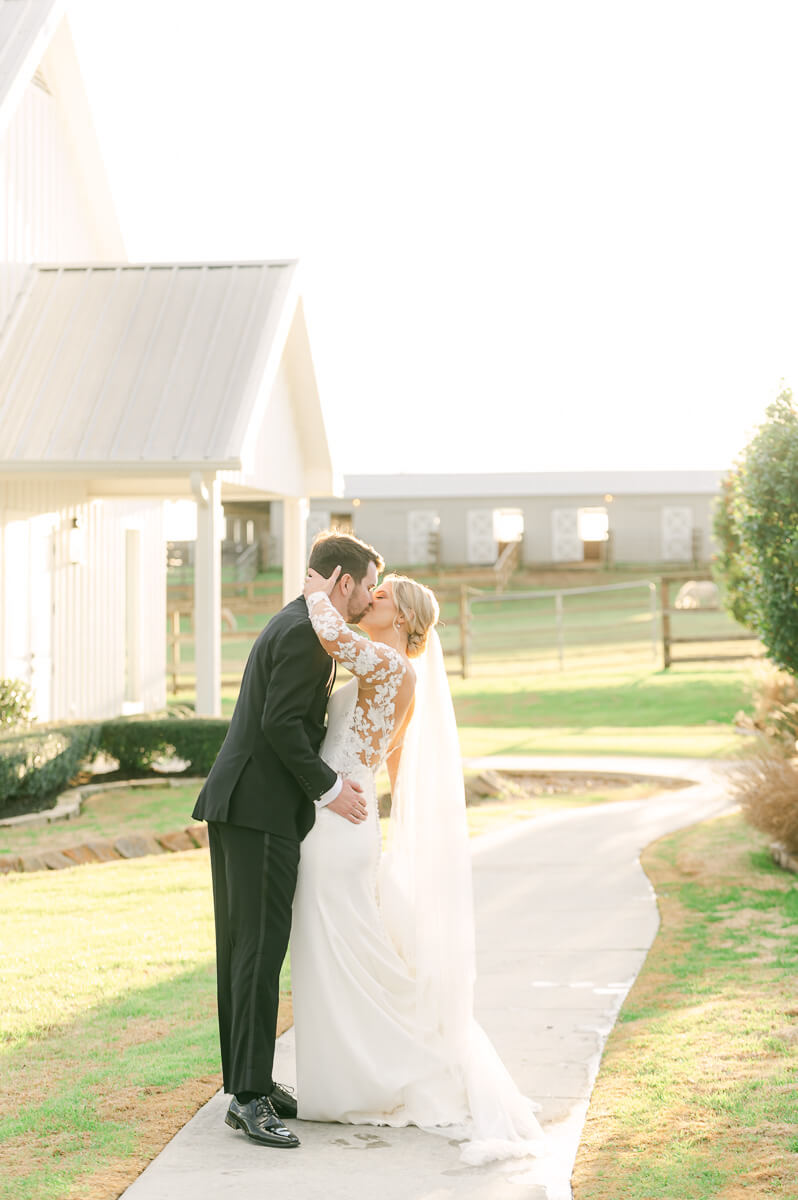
x=418 y=606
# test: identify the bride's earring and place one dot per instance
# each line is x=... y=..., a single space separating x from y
x=397 y=624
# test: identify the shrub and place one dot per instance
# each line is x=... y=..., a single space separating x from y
x=729 y=564
x=757 y=526
x=775 y=697
x=137 y=742
x=766 y=787
x=16 y=699
x=37 y=763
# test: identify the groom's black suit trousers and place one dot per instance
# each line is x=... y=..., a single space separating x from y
x=254 y=878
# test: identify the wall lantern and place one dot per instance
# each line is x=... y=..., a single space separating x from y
x=76 y=543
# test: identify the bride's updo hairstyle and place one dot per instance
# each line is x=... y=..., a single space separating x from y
x=417 y=604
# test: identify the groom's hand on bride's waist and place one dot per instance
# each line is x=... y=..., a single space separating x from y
x=349 y=803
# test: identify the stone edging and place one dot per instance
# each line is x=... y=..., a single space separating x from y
x=782 y=856
x=132 y=845
x=69 y=803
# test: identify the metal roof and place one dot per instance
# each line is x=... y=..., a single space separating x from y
x=551 y=483
x=157 y=364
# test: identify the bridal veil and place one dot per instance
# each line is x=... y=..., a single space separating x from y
x=426 y=902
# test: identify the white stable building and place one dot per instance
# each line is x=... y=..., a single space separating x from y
x=123 y=385
x=559 y=518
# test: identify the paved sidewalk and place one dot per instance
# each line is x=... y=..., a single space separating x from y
x=565 y=917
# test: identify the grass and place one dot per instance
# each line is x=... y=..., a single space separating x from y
x=99 y=963
x=108 y=815
x=108 y=1022
x=619 y=711
x=698 y=1090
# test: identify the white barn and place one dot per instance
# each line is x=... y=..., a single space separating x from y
x=559 y=518
x=123 y=385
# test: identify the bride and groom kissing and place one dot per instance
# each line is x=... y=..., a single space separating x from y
x=382 y=944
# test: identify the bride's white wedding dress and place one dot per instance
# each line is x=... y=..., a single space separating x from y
x=381 y=945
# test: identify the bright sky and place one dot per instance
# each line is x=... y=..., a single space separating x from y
x=535 y=234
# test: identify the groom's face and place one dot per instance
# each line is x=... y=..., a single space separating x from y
x=358 y=599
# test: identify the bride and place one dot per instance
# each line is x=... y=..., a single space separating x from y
x=382 y=946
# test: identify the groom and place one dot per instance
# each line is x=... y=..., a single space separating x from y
x=259 y=801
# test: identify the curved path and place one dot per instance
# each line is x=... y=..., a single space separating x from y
x=565 y=917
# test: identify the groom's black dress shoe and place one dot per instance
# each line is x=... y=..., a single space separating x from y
x=260 y=1122
x=283 y=1102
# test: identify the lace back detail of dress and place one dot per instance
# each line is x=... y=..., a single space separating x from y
x=379 y=670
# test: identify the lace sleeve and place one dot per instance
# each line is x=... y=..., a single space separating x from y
x=372 y=662
x=379 y=669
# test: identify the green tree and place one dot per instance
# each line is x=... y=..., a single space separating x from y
x=757 y=526
x=730 y=563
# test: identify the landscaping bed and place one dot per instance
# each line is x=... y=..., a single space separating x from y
x=148 y=817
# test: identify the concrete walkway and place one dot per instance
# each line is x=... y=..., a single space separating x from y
x=565 y=917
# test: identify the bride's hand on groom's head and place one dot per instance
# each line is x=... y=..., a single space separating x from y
x=314 y=582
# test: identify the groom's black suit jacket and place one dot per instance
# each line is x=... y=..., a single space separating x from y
x=268 y=771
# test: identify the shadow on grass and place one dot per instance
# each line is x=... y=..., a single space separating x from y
x=82 y=1096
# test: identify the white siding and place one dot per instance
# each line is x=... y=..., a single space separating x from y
x=88 y=599
x=278 y=443
x=44 y=215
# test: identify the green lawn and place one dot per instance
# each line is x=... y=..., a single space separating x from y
x=107 y=815
x=626 y=709
x=697 y=1096
x=108 y=991
x=618 y=711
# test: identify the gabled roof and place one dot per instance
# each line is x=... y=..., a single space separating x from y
x=35 y=40
x=543 y=483
x=162 y=368
x=26 y=29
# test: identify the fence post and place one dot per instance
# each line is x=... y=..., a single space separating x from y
x=175 y=648
x=560 y=632
x=465 y=631
x=666 y=622
x=652 y=594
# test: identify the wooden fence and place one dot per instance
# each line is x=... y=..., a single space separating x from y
x=252 y=600
x=496 y=631
x=731 y=638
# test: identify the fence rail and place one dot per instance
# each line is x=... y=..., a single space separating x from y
x=240 y=633
x=731 y=636
x=530 y=628
x=483 y=632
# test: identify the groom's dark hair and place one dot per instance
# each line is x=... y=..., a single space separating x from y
x=331 y=550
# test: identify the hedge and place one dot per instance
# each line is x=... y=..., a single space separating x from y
x=137 y=742
x=16 y=701
x=39 y=762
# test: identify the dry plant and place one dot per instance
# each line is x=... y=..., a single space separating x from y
x=766 y=788
x=775 y=700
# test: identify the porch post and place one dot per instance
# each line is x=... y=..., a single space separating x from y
x=295 y=526
x=208 y=594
